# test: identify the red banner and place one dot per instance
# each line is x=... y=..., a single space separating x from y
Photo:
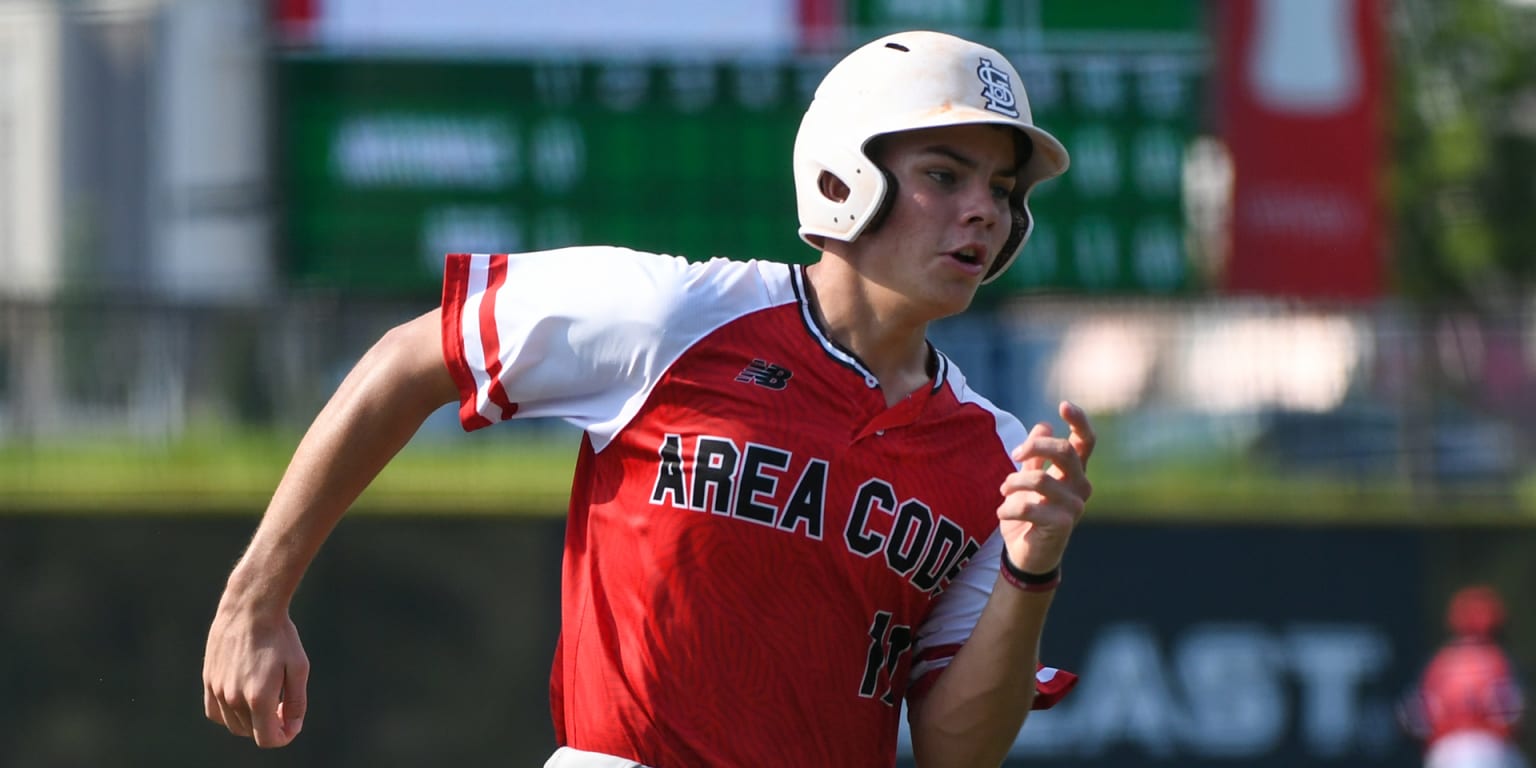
x=1301 y=87
x=821 y=24
x=294 y=20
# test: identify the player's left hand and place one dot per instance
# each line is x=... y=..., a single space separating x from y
x=1045 y=498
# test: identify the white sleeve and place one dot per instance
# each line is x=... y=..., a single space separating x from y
x=955 y=612
x=580 y=334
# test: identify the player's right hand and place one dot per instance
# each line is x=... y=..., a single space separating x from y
x=1045 y=499
x=255 y=675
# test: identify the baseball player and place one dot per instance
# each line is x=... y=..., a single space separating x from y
x=790 y=512
x=1469 y=703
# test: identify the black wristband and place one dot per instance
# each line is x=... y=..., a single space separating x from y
x=1030 y=582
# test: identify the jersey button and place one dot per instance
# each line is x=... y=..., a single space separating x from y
x=879 y=433
x=871 y=382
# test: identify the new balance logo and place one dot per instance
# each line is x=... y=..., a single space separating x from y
x=765 y=374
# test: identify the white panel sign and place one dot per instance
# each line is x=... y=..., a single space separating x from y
x=523 y=25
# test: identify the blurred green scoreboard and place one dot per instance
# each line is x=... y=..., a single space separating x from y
x=386 y=164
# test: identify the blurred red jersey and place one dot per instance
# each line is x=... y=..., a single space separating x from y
x=1469 y=686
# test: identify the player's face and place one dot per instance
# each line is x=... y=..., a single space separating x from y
x=950 y=214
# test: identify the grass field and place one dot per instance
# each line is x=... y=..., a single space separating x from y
x=236 y=473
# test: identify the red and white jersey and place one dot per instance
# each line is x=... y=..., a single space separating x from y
x=1470 y=686
x=762 y=557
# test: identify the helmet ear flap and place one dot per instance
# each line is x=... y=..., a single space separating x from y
x=833 y=189
x=1016 y=235
x=1018 y=205
x=886 y=201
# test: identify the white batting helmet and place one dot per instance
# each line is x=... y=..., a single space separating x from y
x=903 y=82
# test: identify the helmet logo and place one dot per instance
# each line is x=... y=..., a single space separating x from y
x=996 y=89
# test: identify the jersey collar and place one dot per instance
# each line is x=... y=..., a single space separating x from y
x=938 y=364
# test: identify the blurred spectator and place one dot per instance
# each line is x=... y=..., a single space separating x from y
x=1468 y=705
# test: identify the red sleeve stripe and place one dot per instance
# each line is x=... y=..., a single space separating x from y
x=456 y=289
x=496 y=276
x=927 y=665
x=1052 y=685
x=919 y=687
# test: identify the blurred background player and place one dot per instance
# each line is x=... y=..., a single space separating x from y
x=790 y=513
x=1468 y=705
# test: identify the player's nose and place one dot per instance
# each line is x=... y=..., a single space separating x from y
x=981 y=204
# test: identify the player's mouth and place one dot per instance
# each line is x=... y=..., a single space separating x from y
x=973 y=256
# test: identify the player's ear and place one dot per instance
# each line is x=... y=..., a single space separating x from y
x=831 y=187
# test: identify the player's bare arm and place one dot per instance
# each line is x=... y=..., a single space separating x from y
x=255 y=671
x=974 y=711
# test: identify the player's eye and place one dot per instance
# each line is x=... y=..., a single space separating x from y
x=942 y=176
